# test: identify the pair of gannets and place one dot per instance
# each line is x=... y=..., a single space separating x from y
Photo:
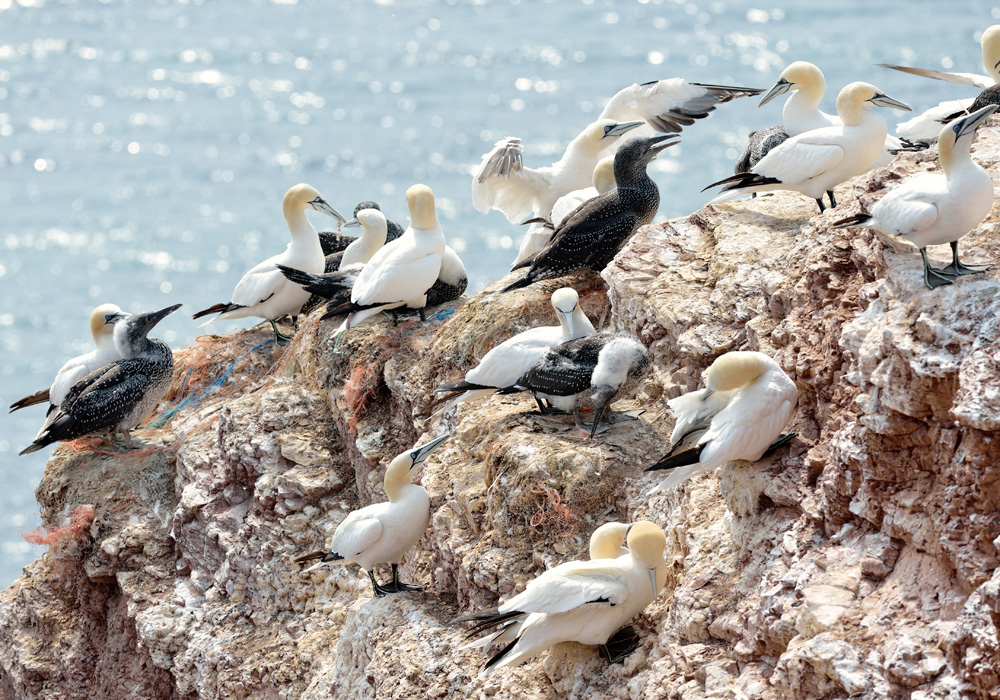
x=925 y=127
x=264 y=292
x=938 y=208
x=739 y=416
x=382 y=533
x=505 y=364
x=117 y=397
x=579 y=601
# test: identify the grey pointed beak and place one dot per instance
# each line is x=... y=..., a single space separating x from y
x=602 y=399
x=967 y=125
x=780 y=88
x=145 y=322
x=708 y=392
x=420 y=454
x=319 y=204
x=568 y=315
x=112 y=319
x=353 y=223
x=621 y=128
x=658 y=143
x=880 y=100
x=652 y=582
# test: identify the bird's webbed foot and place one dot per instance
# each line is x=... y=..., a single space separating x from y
x=398 y=586
x=620 y=645
x=279 y=338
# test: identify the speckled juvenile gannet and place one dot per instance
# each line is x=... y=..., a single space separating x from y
x=579 y=601
x=382 y=533
x=503 y=365
x=740 y=415
x=589 y=371
x=118 y=396
x=264 y=292
x=925 y=127
x=401 y=272
x=598 y=229
x=937 y=208
x=816 y=161
x=102 y=328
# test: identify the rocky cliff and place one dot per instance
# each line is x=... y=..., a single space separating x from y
x=860 y=561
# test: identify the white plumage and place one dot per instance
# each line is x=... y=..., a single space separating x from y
x=748 y=402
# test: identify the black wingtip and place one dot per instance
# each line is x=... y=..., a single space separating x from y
x=856 y=220
x=681 y=459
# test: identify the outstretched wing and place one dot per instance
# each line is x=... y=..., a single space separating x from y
x=982 y=81
x=504 y=184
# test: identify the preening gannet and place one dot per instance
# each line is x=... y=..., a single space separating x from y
x=588 y=371
x=507 y=362
x=579 y=601
x=102 y=328
x=401 y=272
x=599 y=228
x=937 y=208
x=925 y=127
x=382 y=533
x=816 y=161
x=740 y=415
x=117 y=397
x=264 y=292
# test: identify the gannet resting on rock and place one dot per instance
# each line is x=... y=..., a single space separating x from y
x=816 y=161
x=925 y=127
x=383 y=532
x=401 y=272
x=937 y=208
x=589 y=371
x=507 y=362
x=740 y=415
x=102 y=328
x=117 y=397
x=336 y=243
x=579 y=601
x=598 y=229
x=264 y=292
x=452 y=279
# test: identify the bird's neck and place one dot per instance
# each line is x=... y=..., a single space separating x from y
x=630 y=176
x=103 y=341
x=857 y=115
x=298 y=225
x=955 y=158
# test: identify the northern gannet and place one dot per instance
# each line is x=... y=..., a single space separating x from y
x=599 y=228
x=588 y=371
x=264 y=292
x=925 y=127
x=117 y=397
x=937 y=208
x=503 y=365
x=102 y=328
x=382 y=533
x=740 y=415
x=759 y=144
x=452 y=279
x=401 y=272
x=816 y=161
x=579 y=601
x=335 y=243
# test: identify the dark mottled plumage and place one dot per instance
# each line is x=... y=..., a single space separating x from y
x=593 y=234
x=116 y=397
x=759 y=143
x=334 y=243
x=989 y=96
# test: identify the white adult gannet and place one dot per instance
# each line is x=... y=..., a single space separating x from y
x=608 y=541
x=102 y=328
x=925 y=127
x=579 y=601
x=740 y=415
x=383 y=533
x=503 y=365
x=816 y=161
x=264 y=292
x=401 y=272
x=937 y=208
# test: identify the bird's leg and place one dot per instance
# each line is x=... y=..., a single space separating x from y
x=420 y=311
x=934 y=278
x=295 y=322
x=833 y=202
x=279 y=338
x=576 y=415
x=398 y=586
x=541 y=406
x=620 y=645
x=822 y=208
x=957 y=268
x=379 y=591
x=395 y=318
x=128 y=439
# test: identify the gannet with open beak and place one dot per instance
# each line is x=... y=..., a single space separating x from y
x=740 y=415
x=937 y=208
x=816 y=161
x=383 y=533
x=503 y=365
x=579 y=601
x=263 y=291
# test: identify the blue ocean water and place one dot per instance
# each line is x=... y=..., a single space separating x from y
x=145 y=145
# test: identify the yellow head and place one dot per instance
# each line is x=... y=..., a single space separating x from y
x=859 y=96
x=804 y=75
x=420 y=200
x=397 y=474
x=300 y=196
x=647 y=541
x=604 y=175
x=991 y=51
x=735 y=370
x=103 y=319
x=607 y=540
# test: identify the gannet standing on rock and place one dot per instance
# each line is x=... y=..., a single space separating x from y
x=334 y=244
x=816 y=161
x=102 y=328
x=264 y=292
x=589 y=371
x=118 y=396
x=579 y=601
x=503 y=365
x=937 y=208
x=740 y=415
x=383 y=533
x=599 y=228
x=400 y=273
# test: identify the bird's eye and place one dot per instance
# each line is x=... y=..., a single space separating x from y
x=956 y=128
x=607 y=130
x=413 y=456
